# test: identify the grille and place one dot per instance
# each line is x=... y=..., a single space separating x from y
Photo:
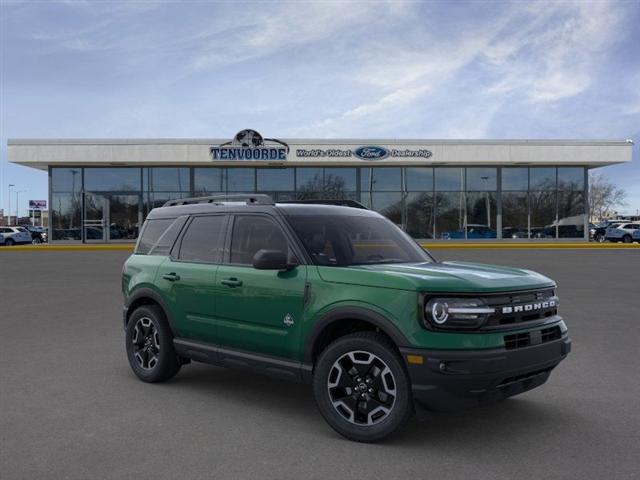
x=536 y=337
x=531 y=304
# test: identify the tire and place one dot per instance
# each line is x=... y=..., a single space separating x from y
x=149 y=344
x=379 y=383
x=9 y=242
x=36 y=241
x=626 y=239
x=599 y=238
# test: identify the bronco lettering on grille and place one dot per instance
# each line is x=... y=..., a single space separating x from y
x=529 y=307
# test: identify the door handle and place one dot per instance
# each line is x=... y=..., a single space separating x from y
x=172 y=277
x=231 y=282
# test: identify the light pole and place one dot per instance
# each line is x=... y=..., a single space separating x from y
x=18 y=192
x=9 y=211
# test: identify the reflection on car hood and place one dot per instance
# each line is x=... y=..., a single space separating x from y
x=438 y=277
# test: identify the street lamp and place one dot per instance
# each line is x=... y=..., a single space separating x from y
x=9 y=211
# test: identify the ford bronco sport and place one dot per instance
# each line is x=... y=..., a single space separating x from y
x=339 y=297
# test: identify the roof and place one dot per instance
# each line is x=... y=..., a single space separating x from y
x=44 y=153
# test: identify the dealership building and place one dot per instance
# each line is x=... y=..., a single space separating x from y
x=101 y=190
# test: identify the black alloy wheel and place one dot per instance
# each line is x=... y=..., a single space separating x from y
x=149 y=345
x=362 y=388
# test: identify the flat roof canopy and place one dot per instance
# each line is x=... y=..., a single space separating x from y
x=43 y=153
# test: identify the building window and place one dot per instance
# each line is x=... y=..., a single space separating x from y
x=167 y=179
x=275 y=180
x=66 y=216
x=449 y=179
x=241 y=180
x=208 y=181
x=112 y=179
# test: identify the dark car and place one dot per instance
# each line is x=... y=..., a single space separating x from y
x=38 y=234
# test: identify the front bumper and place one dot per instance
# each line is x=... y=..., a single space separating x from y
x=449 y=380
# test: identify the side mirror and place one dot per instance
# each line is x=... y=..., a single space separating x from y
x=271 y=260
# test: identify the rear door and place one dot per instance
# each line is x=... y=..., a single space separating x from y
x=187 y=277
x=259 y=310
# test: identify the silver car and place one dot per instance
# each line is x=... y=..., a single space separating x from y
x=14 y=235
x=622 y=232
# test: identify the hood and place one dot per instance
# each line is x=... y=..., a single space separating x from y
x=453 y=277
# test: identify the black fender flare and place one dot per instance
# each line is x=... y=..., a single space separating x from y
x=352 y=313
x=145 y=292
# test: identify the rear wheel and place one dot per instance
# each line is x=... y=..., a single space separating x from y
x=362 y=388
x=149 y=344
x=9 y=242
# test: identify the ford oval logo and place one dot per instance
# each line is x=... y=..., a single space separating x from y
x=371 y=153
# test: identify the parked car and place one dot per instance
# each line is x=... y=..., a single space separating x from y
x=473 y=231
x=622 y=232
x=38 y=234
x=339 y=298
x=514 y=232
x=599 y=231
x=15 y=235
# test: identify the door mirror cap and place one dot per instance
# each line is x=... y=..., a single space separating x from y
x=271 y=260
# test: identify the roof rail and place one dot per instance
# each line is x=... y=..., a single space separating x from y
x=343 y=202
x=257 y=199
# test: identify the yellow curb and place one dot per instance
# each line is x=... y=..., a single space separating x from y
x=48 y=248
x=533 y=246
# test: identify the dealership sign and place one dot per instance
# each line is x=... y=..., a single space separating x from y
x=365 y=152
x=250 y=145
x=38 y=204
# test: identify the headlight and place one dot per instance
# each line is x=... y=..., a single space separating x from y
x=456 y=312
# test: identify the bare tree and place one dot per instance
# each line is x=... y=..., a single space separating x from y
x=604 y=196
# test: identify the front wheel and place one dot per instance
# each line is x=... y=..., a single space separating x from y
x=599 y=238
x=362 y=388
x=149 y=344
x=626 y=239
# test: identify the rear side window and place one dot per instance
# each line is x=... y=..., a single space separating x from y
x=203 y=241
x=253 y=233
x=152 y=231
x=167 y=239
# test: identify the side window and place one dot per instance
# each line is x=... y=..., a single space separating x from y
x=152 y=231
x=252 y=233
x=167 y=239
x=204 y=239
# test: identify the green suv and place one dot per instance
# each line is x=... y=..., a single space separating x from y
x=339 y=297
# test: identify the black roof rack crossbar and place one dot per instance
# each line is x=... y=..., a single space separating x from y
x=257 y=199
x=342 y=202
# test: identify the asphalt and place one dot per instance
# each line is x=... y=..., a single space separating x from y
x=71 y=408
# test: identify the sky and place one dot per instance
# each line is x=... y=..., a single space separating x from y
x=374 y=69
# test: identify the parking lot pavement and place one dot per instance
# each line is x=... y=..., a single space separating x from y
x=70 y=407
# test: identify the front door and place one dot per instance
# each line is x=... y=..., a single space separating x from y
x=96 y=212
x=259 y=310
x=111 y=217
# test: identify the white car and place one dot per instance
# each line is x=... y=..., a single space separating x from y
x=622 y=233
x=15 y=235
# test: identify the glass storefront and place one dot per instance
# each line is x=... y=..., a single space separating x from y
x=110 y=203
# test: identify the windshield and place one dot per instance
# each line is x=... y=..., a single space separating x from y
x=344 y=240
